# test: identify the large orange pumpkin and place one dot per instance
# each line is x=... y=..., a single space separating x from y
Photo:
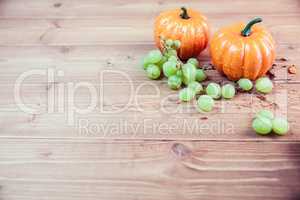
x=243 y=50
x=186 y=25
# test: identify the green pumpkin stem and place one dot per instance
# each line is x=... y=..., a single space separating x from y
x=247 y=30
x=184 y=14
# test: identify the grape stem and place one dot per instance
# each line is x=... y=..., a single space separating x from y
x=165 y=50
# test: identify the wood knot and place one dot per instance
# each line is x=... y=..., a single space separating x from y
x=57 y=5
x=180 y=150
x=65 y=49
x=46 y=154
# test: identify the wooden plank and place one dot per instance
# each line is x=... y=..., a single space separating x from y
x=142 y=116
x=73 y=169
x=127 y=31
x=86 y=61
x=94 y=8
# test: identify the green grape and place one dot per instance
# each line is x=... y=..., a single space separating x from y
x=170 y=68
x=262 y=125
x=174 y=82
x=188 y=73
x=200 y=75
x=205 y=103
x=280 y=126
x=228 y=91
x=264 y=85
x=245 y=84
x=171 y=52
x=265 y=113
x=193 y=61
x=153 y=71
x=179 y=73
x=172 y=58
x=145 y=62
x=197 y=87
x=213 y=90
x=186 y=94
x=169 y=42
x=177 y=44
x=162 y=62
x=154 y=56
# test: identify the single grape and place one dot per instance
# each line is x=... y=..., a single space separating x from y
x=264 y=85
x=197 y=87
x=205 y=103
x=262 y=125
x=171 y=52
x=245 y=84
x=188 y=73
x=162 y=62
x=186 y=94
x=228 y=91
x=179 y=73
x=145 y=62
x=169 y=68
x=265 y=113
x=154 y=56
x=213 y=90
x=174 y=82
x=177 y=44
x=172 y=58
x=193 y=61
x=280 y=126
x=153 y=71
x=169 y=42
x=200 y=75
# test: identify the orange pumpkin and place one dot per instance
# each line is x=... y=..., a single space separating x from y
x=243 y=50
x=186 y=25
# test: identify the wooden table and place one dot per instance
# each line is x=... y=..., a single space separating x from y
x=136 y=141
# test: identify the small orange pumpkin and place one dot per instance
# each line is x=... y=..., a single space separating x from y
x=243 y=50
x=186 y=25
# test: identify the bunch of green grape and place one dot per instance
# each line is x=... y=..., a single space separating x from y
x=265 y=122
x=179 y=74
x=188 y=77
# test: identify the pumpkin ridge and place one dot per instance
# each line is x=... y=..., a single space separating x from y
x=193 y=34
x=266 y=61
x=200 y=38
x=253 y=60
x=229 y=57
x=223 y=45
x=237 y=58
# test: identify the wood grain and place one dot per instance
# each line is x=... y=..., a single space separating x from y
x=170 y=170
x=155 y=148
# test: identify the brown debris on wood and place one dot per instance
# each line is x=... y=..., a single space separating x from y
x=292 y=69
x=208 y=66
x=271 y=74
x=203 y=118
x=261 y=97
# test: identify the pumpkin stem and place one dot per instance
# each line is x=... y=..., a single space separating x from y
x=247 y=30
x=184 y=14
